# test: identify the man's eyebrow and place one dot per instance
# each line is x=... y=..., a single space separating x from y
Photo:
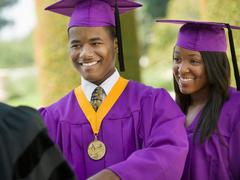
x=75 y=41
x=96 y=39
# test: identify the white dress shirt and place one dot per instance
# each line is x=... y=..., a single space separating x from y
x=107 y=85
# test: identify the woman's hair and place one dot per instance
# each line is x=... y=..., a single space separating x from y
x=218 y=73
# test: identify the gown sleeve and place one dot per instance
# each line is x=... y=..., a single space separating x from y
x=234 y=147
x=165 y=143
x=49 y=120
x=26 y=150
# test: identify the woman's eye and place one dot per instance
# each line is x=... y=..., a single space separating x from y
x=193 y=61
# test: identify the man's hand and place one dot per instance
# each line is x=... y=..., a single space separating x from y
x=105 y=174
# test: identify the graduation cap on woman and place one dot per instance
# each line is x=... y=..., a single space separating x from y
x=206 y=36
x=96 y=13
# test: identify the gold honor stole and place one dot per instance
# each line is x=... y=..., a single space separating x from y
x=95 y=118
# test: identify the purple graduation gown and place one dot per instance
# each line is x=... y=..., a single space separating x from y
x=143 y=132
x=217 y=158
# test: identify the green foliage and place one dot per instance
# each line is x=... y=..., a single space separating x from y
x=56 y=74
x=3 y=4
x=163 y=39
x=16 y=53
x=130 y=47
x=184 y=9
x=158 y=72
x=24 y=93
x=158 y=76
x=231 y=15
x=147 y=14
x=156 y=8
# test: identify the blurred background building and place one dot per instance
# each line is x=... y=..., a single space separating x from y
x=34 y=66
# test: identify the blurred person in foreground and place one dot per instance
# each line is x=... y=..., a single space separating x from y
x=26 y=150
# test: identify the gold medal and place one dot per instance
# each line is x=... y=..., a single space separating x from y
x=96 y=149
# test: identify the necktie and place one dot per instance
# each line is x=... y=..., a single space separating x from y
x=97 y=97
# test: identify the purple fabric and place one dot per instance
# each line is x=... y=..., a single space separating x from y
x=144 y=135
x=201 y=36
x=217 y=158
x=91 y=13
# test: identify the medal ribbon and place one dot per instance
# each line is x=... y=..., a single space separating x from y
x=95 y=118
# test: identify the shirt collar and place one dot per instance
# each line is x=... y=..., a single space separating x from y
x=88 y=87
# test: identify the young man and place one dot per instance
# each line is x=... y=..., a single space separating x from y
x=26 y=150
x=109 y=127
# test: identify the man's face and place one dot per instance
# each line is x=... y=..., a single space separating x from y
x=92 y=51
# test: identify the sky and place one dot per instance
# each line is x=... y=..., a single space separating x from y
x=24 y=18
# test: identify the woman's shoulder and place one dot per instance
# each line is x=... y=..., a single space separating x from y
x=233 y=102
x=234 y=93
x=230 y=112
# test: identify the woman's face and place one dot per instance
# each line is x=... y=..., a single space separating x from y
x=189 y=71
x=92 y=50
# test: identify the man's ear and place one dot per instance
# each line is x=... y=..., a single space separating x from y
x=116 y=45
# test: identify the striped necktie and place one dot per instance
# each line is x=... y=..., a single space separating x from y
x=97 y=97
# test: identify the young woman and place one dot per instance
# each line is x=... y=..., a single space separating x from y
x=202 y=86
x=109 y=127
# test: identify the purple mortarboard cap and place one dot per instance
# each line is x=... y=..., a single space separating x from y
x=93 y=13
x=206 y=36
x=200 y=35
x=96 y=13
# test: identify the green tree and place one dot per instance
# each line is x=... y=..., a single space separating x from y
x=156 y=8
x=14 y=55
x=151 y=10
x=56 y=74
x=229 y=13
x=130 y=46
